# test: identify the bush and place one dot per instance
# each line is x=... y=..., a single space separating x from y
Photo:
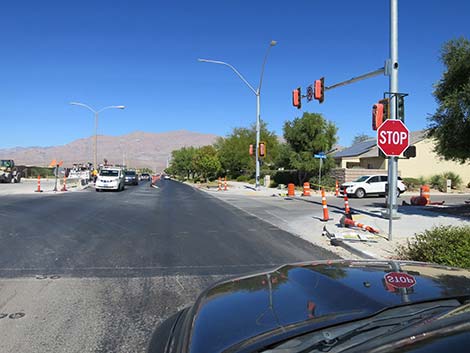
x=414 y=183
x=456 y=180
x=243 y=178
x=442 y=245
x=252 y=181
x=328 y=182
x=439 y=181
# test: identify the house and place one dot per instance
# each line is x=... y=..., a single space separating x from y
x=363 y=158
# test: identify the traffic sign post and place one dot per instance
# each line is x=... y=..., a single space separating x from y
x=321 y=156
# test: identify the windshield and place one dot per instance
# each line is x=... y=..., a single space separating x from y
x=110 y=173
x=129 y=172
x=362 y=178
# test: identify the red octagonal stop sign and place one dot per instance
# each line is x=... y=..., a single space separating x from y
x=393 y=137
x=400 y=280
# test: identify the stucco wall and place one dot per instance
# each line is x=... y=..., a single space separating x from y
x=427 y=163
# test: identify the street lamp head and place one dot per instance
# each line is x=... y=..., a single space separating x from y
x=273 y=43
x=120 y=106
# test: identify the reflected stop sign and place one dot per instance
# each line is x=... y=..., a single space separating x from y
x=393 y=137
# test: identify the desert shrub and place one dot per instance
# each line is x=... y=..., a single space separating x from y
x=443 y=245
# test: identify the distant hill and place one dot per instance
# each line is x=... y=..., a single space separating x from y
x=138 y=149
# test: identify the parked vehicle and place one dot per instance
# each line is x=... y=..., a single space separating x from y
x=130 y=177
x=110 y=178
x=8 y=172
x=327 y=306
x=370 y=185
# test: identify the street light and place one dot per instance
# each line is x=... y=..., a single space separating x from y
x=96 y=112
x=257 y=93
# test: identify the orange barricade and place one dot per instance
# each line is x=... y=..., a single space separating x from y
x=225 y=184
x=306 y=189
x=425 y=192
x=290 y=189
x=346 y=203
x=325 y=207
x=346 y=222
x=336 y=188
x=220 y=184
x=39 y=184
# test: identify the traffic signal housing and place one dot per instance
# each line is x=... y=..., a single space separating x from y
x=377 y=115
x=297 y=98
x=262 y=149
x=319 y=90
x=401 y=108
x=251 y=150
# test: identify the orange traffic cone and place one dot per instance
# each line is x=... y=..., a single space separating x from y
x=220 y=185
x=64 y=188
x=336 y=189
x=347 y=210
x=347 y=222
x=325 y=207
x=39 y=185
x=225 y=184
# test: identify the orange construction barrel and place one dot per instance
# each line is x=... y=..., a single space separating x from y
x=425 y=192
x=290 y=189
x=306 y=189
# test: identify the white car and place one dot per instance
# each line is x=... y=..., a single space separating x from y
x=110 y=179
x=370 y=185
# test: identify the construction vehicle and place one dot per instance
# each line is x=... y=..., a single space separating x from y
x=8 y=172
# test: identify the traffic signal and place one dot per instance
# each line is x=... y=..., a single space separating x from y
x=251 y=150
x=319 y=88
x=377 y=115
x=401 y=108
x=262 y=149
x=297 y=98
x=410 y=152
x=386 y=104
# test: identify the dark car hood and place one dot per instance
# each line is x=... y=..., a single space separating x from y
x=310 y=295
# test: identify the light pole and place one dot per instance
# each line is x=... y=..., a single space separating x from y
x=96 y=113
x=257 y=93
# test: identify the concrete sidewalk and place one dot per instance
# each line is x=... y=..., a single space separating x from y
x=303 y=216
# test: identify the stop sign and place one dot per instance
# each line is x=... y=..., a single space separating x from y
x=393 y=137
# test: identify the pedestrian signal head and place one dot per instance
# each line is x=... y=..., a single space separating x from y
x=297 y=98
x=377 y=115
x=251 y=150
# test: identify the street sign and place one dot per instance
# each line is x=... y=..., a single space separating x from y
x=400 y=280
x=393 y=137
x=320 y=155
x=309 y=93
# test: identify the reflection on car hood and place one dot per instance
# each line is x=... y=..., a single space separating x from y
x=311 y=296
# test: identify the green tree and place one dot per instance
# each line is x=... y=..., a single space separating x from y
x=450 y=125
x=206 y=162
x=306 y=136
x=182 y=162
x=233 y=150
x=360 y=138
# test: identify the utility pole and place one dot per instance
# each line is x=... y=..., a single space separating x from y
x=393 y=88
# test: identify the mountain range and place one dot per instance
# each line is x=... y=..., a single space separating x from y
x=137 y=150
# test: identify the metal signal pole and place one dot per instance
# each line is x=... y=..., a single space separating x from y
x=393 y=87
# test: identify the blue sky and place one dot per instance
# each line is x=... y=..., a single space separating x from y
x=143 y=54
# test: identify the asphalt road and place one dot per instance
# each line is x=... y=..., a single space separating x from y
x=97 y=272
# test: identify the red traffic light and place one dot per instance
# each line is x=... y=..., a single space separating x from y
x=262 y=149
x=319 y=90
x=377 y=115
x=297 y=98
